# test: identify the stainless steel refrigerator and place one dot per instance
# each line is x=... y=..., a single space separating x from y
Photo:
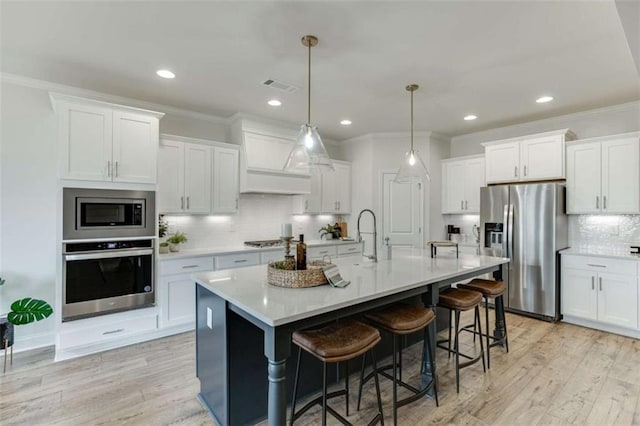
x=528 y=224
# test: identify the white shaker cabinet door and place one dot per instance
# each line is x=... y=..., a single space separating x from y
x=85 y=133
x=542 y=158
x=135 y=147
x=473 y=181
x=453 y=192
x=343 y=187
x=583 y=178
x=197 y=178
x=225 y=180
x=503 y=162
x=579 y=293
x=617 y=299
x=329 y=195
x=171 y=177
x=620 y=176
x=179 y=306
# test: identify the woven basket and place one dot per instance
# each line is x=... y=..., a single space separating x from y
x=311 y=277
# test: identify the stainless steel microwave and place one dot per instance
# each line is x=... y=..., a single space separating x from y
x=107 y=213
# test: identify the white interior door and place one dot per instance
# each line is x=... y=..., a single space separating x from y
x=402 y=212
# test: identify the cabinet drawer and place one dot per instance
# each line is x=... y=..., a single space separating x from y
x=601 y=264
x=319 y=252
x=105 y=331
x=191 y=264
x=348 y=249
x=228 y=261
x=271 y=256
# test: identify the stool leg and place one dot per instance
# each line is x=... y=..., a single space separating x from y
x=457 y=351
x=486 y=319
x=375 y=378
x=295 y=387
x=450 y=324
x=477 y=314
x=395 y=380
x=6 y=344
x=504 y=321
x=361 y=379
x=346 y=386
x=427 y=338
x=324 y=394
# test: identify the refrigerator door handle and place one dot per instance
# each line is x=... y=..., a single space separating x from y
x=510 y=230
x=505 y=245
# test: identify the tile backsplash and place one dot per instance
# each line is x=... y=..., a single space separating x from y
x=598 y=232
x=259 y=218
x=465 y=222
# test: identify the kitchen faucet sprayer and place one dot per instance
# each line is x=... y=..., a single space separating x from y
x=373 y=256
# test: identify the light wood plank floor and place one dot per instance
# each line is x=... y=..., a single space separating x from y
x=553 y=374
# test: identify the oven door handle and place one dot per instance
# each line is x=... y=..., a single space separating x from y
x=107 y=255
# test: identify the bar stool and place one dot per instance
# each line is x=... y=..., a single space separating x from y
x=490 y=289
x=399 y=320
x=458 y=300
x=337 y=342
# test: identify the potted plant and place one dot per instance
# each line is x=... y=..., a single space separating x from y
x=163 y=227
x=22 y=311
x=329 y=232
x=175 y=239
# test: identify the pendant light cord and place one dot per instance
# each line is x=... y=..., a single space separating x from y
x=411 y=121
x=309 y=88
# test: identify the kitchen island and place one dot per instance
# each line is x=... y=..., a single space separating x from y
x=239 y=315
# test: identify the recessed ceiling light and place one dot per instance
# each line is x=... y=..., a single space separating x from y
x=165 y=74
x=544 y=99
x=470 y=117
x=274 y=102
x=345 y=122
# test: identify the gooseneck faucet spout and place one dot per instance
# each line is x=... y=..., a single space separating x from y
x=373 y=256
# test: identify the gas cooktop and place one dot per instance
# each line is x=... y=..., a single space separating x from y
x=263 y=243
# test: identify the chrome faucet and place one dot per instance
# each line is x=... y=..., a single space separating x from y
x=373 y=256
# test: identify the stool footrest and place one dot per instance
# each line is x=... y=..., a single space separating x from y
x=318 y=401
x=496 y=341
x=451 y=350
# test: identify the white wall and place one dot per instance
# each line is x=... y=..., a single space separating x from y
x=598 y=122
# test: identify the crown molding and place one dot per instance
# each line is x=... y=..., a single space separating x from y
x=33 y=83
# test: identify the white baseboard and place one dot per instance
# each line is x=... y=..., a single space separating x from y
x=629 y=332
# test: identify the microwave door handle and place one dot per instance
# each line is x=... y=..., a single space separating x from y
x=107 y=255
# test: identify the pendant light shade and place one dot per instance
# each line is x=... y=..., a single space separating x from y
x=412 y=168
x=308 y=153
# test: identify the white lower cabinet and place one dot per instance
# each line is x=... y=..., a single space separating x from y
x=602 y=291
x=176 y=290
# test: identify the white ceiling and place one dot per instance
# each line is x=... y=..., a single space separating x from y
x=492 y=59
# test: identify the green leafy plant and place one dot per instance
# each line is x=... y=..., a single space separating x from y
x=329 y=229
x=163 y=226
x=28 y=310
x=165 y=244
x=177 y=238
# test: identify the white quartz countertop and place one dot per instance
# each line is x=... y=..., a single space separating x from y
x=601 y=252
x=213 y=251
x=247 y=288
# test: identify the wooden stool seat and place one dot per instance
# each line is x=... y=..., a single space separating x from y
x=401 y=318
x=338 y=342
x=488 y=288
x=459 y=299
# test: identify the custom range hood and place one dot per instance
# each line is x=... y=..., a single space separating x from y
x=264 y=149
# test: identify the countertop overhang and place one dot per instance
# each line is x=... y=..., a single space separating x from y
x=249 y=291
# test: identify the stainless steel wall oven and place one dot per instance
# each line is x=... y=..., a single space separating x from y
x=107 y=276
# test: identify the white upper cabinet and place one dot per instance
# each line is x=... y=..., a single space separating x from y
x=603 y=175
x=330 y=192
x=225 y=180
x=105 y=142
x=529 y=158
x=197 y=178
x=461 y=182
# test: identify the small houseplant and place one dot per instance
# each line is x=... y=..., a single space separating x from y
x=163 y=227
x=329 y=232
x=175 y=240
x=22 y=311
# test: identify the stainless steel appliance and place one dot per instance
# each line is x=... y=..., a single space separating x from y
x=528 y=224
x=263 y=243
x=107 y=213
x=107 y=276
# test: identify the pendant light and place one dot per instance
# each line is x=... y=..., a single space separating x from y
x=308 y=153
x=412 y=168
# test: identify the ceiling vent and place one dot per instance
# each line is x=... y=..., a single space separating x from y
x=281 y=86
